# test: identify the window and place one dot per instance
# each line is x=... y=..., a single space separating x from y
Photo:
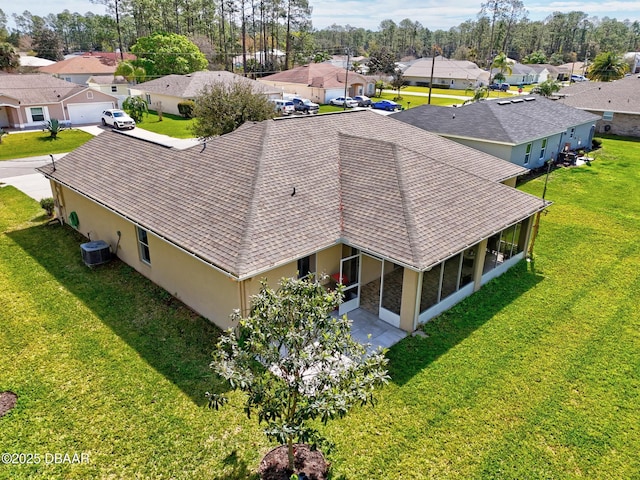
x=543 y=149
x=90 y=95
x=306 y=265
x=148 y=98
x=143 y=245
x=527 y=155
x=114 y=88
x=37 y=114
x=573 y=130
x=607 y=115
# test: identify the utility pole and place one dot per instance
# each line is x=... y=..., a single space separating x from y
x=434 y=49
x=346 y=81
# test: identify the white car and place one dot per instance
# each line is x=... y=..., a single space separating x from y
x=117 y=119
x=284 y=107
x=340 y=102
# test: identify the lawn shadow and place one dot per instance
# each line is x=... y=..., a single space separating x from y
x=239 y=471
x=171 y=337
x=414 y=353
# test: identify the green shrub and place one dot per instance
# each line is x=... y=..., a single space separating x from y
x=47 y=204
x=186 y=108
x=596 y=143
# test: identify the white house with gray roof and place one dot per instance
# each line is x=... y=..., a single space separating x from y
x=457 y=74
x=524 y=130
x=166 y=92
x=409 y=222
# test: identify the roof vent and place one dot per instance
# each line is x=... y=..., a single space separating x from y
x=517 y=100
x=529 y=99
x=95 y=253
x=504 y=102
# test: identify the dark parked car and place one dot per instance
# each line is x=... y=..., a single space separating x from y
x=363 y=101
x=305 y=105
x=503 y=87
x=388 y=105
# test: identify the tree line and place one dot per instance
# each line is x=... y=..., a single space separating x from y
x=271 y=35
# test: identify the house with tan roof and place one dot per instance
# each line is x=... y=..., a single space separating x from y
x=168 y=91
x=116 y=86
x=457 y=74
x=79 y=68
x=320 y=82
x=409 y=222
x=29 y=100
x=526 y=130
x=616 y=103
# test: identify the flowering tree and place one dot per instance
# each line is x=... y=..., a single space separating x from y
x=296 y=362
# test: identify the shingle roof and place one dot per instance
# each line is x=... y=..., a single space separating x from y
x=321 y=75
x=376 y=183
x=512 y=120
x=445 y=68
x=36 y=88
x=191 y=85
x=96 y=63
x=620 y=96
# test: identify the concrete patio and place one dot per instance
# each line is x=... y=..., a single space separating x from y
x=367 y=328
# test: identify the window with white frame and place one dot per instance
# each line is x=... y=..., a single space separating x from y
x=148 y=98
x=114 y=88
x=527 y=155
x=143 y=245
x=543 y=149
x=607 y=115
x=306 y=265
x=37 y=114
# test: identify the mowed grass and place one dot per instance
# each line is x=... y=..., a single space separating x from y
x=173 y=125
x=31 y=144
x=537 y=375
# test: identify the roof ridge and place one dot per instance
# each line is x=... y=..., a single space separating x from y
x=250 y=217
x=409 y=215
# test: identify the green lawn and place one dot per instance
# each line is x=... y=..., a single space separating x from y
x=31 y=144
x=172 y=125
x=536 y=376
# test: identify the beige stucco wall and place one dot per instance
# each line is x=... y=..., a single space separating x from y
x=409 y=297
x=201 y=287
x=622 y=124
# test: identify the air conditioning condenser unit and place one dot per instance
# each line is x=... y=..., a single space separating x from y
x=95 y=253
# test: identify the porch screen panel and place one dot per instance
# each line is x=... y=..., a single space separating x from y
x=430 y=288
x=450 y=276
x=392 y=288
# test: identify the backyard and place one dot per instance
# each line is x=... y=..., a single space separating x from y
x=536 y=376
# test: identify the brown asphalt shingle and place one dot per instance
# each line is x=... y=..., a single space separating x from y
x=376 y=183
x=33 y=89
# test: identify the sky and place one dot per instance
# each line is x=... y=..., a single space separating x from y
x=433 y=14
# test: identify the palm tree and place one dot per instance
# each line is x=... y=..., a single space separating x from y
x=502 y=63
x=607 y=66
x=547 y=88
x=479 y=93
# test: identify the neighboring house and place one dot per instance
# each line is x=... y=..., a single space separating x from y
x=116 y=86
x=274 y=57
x=28 y=100
x=409 y=222
x=168 y=91
x=524 y=130
x=521 y=74
x=31 y=62
x=633 y=59
x=574 y=68
x=457 y=74
x=340 y=61
x=544 y=72
x=617 y=103
x=320 y=82
x=80 y=68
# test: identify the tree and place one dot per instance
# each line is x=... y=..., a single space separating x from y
x=503 y=64
x=535 y=57
x=47 y=44
x=479 y=94
x=398 y=82
x=221 y=108
x=296 y=362
x=54 y=127
x=161 y=55
x=9 y=59
x=136 y=107
x=382 y=60
x=547 y=88
x=607 y=66
x=130 y=72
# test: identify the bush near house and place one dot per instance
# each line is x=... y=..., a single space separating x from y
x=186 y=108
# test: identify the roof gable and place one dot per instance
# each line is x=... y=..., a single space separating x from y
x=35 y=88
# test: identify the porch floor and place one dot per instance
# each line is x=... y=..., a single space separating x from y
x=365 y=324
